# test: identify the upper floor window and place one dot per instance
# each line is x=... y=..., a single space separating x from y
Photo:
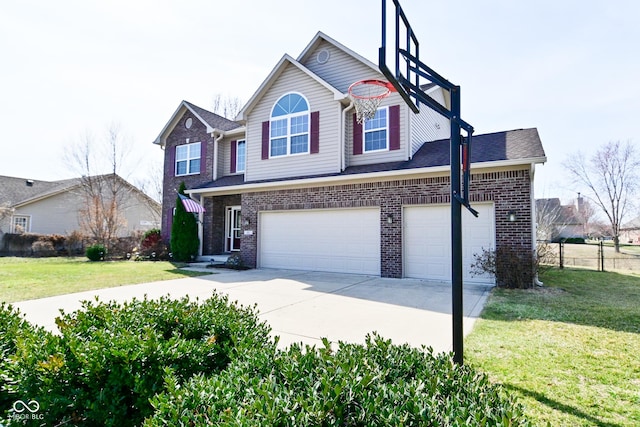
x=289 y=126
x=20 y=224
x=376 y=131
x=188 y=159
x=241 y=156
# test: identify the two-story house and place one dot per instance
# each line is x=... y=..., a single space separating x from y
x=295 y=182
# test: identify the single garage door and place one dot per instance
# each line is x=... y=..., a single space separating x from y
x=427 y=241
x=336 y=240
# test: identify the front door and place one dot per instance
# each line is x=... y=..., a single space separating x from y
x=233 y=226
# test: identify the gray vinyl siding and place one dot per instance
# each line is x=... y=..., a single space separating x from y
x=53 y=215
x=58 y=214
x=224 y=157
x=319 y=99
x=428 y=125
x=380 y=156
x=341 y=70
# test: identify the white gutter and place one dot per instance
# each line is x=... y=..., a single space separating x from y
x=343 y=137
x=215 y=153
x=372 y=176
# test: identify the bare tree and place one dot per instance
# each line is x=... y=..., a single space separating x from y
x=6 y=211
x=549 y=219
x=611 y=177
x=227 y=107
x=99 y=163
x=151 y=184
x=586 y=213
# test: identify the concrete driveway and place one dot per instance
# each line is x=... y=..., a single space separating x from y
x=305 y=306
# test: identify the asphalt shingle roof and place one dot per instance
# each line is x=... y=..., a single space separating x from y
x=14 y=190
x=212 y=119
x=521 y=144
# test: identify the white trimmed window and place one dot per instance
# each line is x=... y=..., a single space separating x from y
x=20 y=224
x=188 y=159
x=376 y=131
x=241 y=155
x=289 y=126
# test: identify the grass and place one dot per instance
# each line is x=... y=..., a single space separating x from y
x=570 y=351
x=30 y=278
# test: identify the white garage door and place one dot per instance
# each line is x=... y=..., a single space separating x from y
x=337 y=240
x=427 y=241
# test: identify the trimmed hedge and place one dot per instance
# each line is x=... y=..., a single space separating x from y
x=376 y=384
x=165 y=362
x=111 y=358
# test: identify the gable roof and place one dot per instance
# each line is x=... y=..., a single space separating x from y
x=320 y=37
x=211 y=120
x=18 y=191
x=273 y=76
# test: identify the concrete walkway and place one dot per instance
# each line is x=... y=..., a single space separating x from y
x=305 y=306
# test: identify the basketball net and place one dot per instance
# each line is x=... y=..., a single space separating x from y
x=366 y=96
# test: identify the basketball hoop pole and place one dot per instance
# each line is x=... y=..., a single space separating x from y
x=456 y=230
x=406 y=81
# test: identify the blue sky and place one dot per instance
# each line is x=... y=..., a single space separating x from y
x=569 y=68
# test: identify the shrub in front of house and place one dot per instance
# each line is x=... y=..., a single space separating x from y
x=110 y=359
x=235 y=262
x=96 y=252
x=574 y=240
x=183 y=362
x=43 y=248
x=512 y=266
x=13 y=331
x=184 y=241
x=376 y=384
x=152 y=243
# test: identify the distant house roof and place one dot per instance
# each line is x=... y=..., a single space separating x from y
x=634 y=224
x=562 y=214
x=17 y=191
x=521 y=146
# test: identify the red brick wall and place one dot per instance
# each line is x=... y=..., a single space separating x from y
x=178 y=136
x=509 y=190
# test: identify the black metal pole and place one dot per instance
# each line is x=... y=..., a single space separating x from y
x=456 y=230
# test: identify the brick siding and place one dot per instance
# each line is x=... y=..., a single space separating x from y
x=509 y=190
x=178 y=136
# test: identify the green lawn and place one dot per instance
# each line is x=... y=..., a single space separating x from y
x=30 y=278
x=570 y=351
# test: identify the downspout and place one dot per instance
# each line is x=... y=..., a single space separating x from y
x=343 y=137
x=216 y=140
x=200 y=227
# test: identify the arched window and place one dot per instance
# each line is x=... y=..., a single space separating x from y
x=289 y=126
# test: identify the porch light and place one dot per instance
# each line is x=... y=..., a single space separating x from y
x=390 y=219
x=511 y=216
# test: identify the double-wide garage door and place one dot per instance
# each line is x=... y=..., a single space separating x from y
x=427 y=241
x=336 y=240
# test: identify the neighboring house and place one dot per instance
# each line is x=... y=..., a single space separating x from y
x=295 y=182
x=558 y=221
x=630 y=232
x=53 y=207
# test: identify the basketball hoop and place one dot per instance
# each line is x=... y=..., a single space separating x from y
x=367 y=96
